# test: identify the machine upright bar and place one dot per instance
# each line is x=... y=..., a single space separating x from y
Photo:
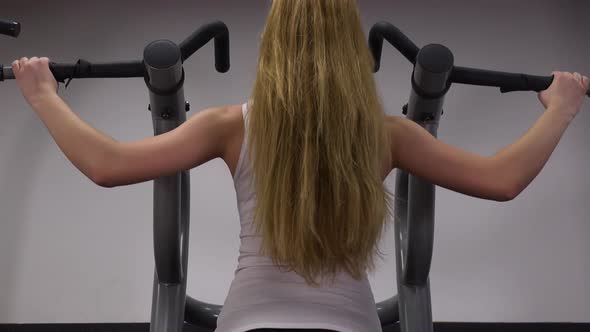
x=415 y=197
x=165 y=81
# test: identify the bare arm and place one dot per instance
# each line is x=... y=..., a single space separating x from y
x=110 y=163
x=200 y=139
x=86 y=147
x=501 y=177
x=416 y=151
x=521 y=162
x=504 y=175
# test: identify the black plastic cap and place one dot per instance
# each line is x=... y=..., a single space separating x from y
x=435 y=58
x=162 y=54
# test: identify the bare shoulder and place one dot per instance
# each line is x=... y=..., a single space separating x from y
x=225 y=115
x=223 y=121
x=207 y=135
x=233 y=119
x=396 y=127
x=229 y=121
x=393 y=121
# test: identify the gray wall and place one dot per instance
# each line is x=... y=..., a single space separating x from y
x=71 y=251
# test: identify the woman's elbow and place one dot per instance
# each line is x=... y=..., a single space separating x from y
x=510 y=194
x=102 y=175
x=102 y=179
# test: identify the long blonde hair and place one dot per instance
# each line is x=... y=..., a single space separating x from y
x=317 y=141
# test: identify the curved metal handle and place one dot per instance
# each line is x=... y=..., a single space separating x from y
x=388 y=311
x=167 y=229
x=387 y=31
x=9 y=28
x=202 y=36
x=416 y=228
x=507 y=82
x=201 y=314
x=420 y=232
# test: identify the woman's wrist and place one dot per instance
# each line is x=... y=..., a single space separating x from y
x=568 y=113
x=40 y=102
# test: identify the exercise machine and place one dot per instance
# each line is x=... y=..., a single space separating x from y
x=433 y=74
x=164 y=75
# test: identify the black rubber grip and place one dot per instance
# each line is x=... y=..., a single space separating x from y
x=202 y=36
x=85 y=69
x=9 y=28
x=507 y=82
x=531 y=83
x=6 y=73
x=522 y=82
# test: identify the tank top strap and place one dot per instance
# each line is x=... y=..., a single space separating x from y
x=241 y=161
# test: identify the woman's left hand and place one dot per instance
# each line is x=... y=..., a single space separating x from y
x=34 y=79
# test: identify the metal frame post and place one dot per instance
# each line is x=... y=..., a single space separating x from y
x=165 y=80
x=415 y=197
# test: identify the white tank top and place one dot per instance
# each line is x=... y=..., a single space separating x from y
x=261 y=296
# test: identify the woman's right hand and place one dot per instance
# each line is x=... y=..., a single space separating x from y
x=566 y=93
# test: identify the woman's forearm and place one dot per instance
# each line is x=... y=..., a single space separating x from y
x=523 y=160
x=87 y=148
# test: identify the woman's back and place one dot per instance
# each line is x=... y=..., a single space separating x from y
x=264 y=296
x=316 y=140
